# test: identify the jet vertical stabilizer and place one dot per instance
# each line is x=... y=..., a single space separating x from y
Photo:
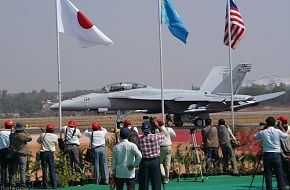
x=239 y=74
x=214 y=78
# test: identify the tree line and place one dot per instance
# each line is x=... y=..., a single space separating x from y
x=32 y=104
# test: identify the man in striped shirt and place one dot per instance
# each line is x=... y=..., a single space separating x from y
x=149 y=145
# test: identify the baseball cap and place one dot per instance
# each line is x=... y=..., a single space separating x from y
x=282 y=118
x=125 y=132
x=71 y=123
x=95 y=125
x=50 y=128
x=127 y=122
x=146 y=127
x=160 y=121
x=19 y=126
x=8 y=123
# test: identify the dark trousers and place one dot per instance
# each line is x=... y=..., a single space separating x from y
x=129 y=182
x=18 y=163
x=74 y=157
x=4 y=166
x=211 y=156
x=272 y=161
x=47 y=159
x=286 y=167
x=229 y=155
x=149 y=170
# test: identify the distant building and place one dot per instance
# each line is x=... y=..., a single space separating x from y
x=269 y=81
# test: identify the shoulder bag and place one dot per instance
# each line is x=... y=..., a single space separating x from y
x=90 y=156
x=234 y=142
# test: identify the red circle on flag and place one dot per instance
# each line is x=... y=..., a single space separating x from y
x=84 y=21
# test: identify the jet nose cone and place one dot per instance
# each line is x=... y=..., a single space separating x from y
x=54 y=106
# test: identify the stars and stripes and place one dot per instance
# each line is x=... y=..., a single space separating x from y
x=237 y=27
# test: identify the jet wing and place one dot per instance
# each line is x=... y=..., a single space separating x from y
x=215 y=106
x=264 y=97
x=258 y=99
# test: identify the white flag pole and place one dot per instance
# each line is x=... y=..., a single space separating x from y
x=58 y=65
x=230 y=63
x=161 y=59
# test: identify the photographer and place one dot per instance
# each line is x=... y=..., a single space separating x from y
x=149 y=145
x=270 y=137
x=4 y=149
x=227 y=150
x=283 y=124
x=48 y=142
x=285 y=147
x=210 y=144
x=165 y=149
x=19 y=146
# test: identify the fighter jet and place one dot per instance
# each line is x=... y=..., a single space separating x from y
x=191 y=106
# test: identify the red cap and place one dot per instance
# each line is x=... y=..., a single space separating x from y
x=95 y=125
x=282 y=118
x=8 y=123
x=71 y=123
x=127 y=122
x=49 y=127
x=160 y=121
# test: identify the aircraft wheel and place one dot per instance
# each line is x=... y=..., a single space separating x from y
x=198 y=122
x=178 y=123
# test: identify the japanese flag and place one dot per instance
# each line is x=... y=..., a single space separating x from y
x=73 y=22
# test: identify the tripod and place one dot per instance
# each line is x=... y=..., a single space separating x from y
x=255 y=172
x=192 y=138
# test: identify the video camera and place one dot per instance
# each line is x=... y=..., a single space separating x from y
x=152 y=123
x=263 y=126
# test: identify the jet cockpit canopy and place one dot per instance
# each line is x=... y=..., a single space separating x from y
x=121 y=86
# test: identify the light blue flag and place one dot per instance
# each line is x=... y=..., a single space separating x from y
x=170 y=17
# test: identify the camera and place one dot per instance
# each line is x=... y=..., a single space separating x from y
x=263 y=126
x=152 y=123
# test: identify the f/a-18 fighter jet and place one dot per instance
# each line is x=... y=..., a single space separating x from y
x=191 y=106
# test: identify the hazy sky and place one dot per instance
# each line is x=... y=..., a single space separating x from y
x=28 y=44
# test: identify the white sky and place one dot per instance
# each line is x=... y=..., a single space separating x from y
x=28 y=44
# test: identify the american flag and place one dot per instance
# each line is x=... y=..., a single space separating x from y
x=237 y=26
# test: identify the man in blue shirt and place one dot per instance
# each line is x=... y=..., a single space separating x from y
x=126 y=157
x=270 y=138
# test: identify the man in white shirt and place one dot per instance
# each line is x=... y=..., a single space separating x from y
x=165 y=149
x=125 y=158
x=71 y=136
x=98 y=140
x=48 y=141
x=270 y=138
x=4 y=146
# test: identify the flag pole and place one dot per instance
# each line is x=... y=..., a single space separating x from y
x=58 y=65
x=161 y=59
x=230 y=63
